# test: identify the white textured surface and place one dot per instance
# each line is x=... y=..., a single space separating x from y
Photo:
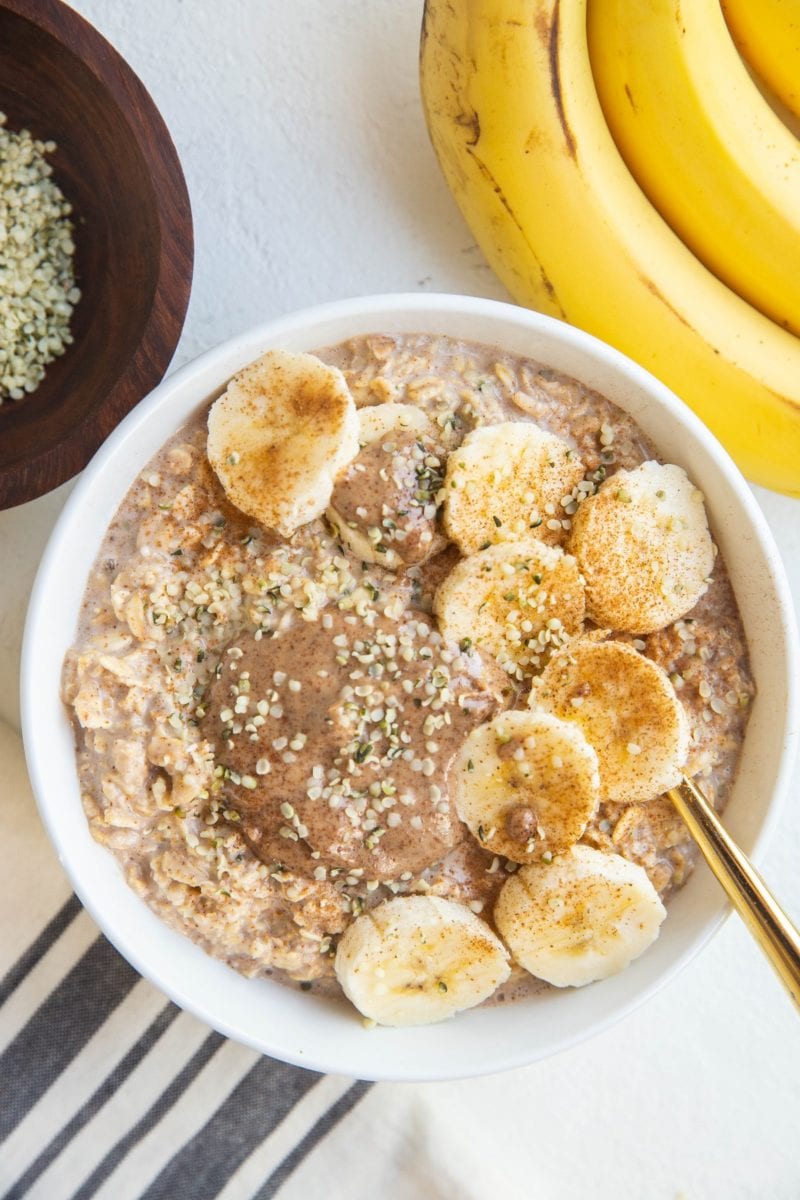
x=311 y=178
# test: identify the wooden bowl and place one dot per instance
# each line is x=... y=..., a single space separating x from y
x=116 y=164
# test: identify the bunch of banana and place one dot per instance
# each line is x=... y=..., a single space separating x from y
x=703 y=143
x=513 y=111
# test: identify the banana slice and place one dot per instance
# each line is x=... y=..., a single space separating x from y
x=527 y=785
x=279 y=435
x=628 y=711
x=584 y=916
x=381 y=420
x=384 y=504
x=505 y=480
x=517 y=600
x=643 y=547
x=414 y=960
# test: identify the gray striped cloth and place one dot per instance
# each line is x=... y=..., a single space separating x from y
x=111 y=1091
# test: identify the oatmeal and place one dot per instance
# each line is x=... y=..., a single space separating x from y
x=271 y=728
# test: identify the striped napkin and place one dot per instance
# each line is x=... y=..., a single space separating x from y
x=109 y=1090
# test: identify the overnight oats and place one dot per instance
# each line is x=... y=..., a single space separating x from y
x=385 y=666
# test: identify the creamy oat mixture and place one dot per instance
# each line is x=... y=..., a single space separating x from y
x=265 y=726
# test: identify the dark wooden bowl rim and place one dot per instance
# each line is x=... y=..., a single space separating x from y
x=42 y=470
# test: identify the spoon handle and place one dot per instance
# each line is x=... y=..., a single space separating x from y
x=766 y=920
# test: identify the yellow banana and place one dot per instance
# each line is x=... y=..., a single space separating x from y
x=767 y=33
x=703 y=143
x=516 y=123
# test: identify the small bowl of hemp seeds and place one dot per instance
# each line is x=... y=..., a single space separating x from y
x=96 y=245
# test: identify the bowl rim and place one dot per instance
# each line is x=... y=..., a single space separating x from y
x=136 y=950
x=42 y=470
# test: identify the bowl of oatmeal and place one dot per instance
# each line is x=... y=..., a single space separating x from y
x=381 y=631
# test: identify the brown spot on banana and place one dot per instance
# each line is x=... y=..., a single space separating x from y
x=428 y=16
x=651 y=287
x=472 y=122
x=423 y=33
x=555 y=79
x=501 y=196
x=521 y=823
x=455 y=127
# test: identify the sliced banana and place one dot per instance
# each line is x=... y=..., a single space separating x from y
x=517 y=601
x=506 y=480
x=279 y=435
x=628 y=711
x=584 y=916
x=381 y=420
x=526 y=785
x=414 y=960
x=644 y=548
x=384 y=504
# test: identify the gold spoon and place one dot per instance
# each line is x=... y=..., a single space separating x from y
x=747 y=892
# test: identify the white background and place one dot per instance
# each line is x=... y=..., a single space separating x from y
x=299 y=128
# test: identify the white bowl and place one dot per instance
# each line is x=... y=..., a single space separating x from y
x=302 y=1028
